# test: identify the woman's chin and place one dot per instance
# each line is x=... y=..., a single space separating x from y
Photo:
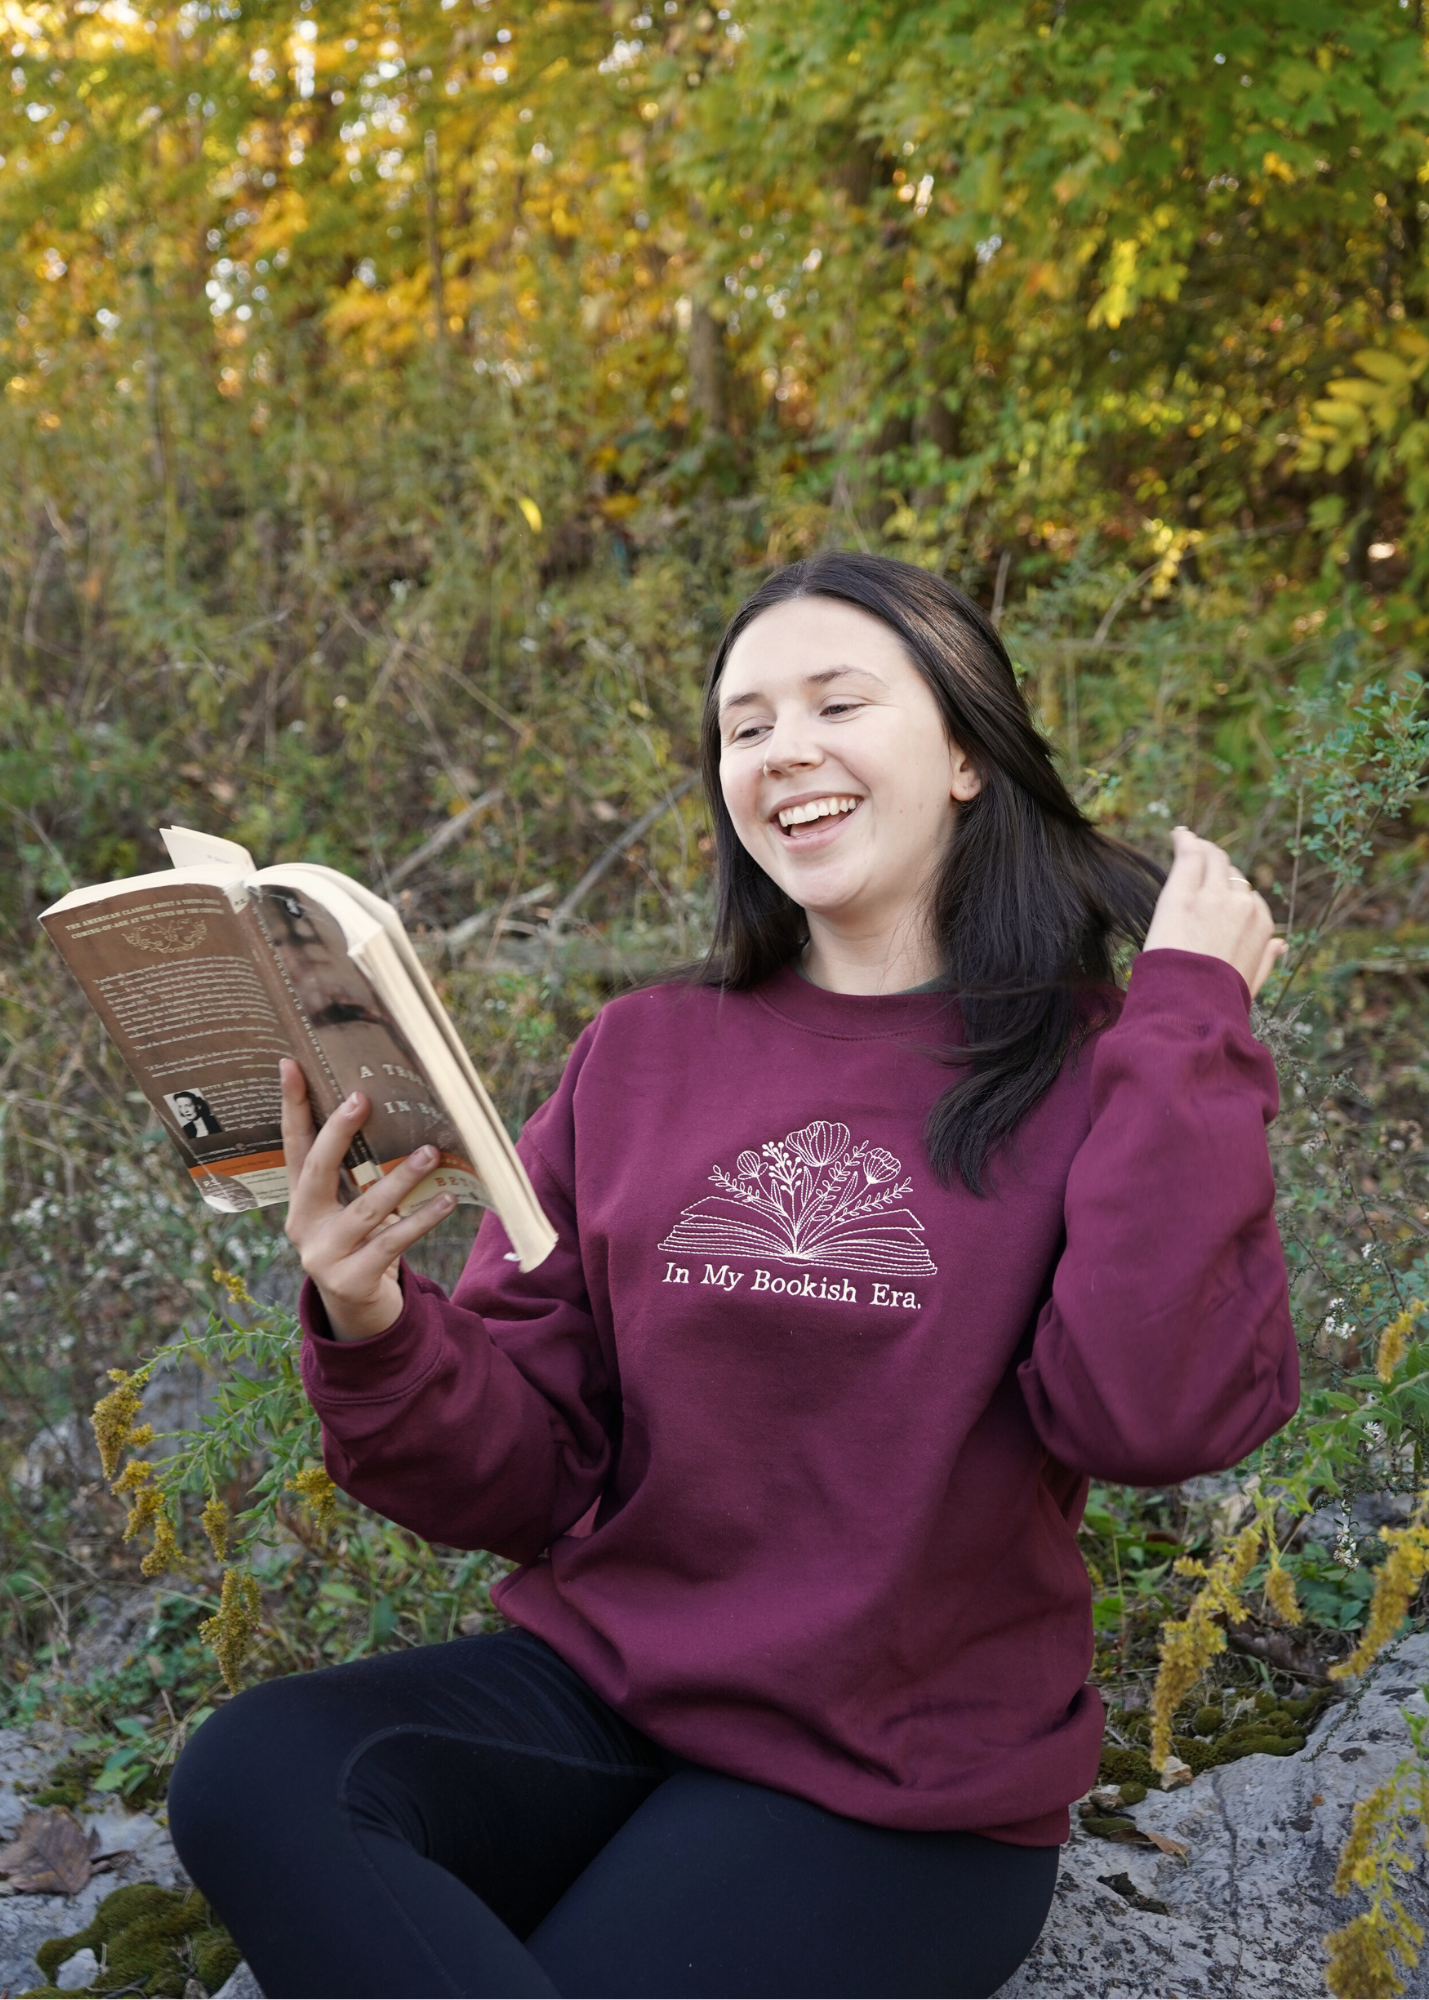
x=839 y=903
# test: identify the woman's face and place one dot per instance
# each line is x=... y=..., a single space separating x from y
x=835 y=765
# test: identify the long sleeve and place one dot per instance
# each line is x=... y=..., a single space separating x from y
x=483 y=1421
x=1167 y=1349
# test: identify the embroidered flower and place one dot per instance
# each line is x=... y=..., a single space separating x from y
x=812 y=1199
x=817 y=1144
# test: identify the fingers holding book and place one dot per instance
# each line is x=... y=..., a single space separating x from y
x=351 y=1252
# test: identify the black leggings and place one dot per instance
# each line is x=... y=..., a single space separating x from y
x=472 y=1819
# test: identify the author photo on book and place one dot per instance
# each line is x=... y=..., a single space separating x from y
x=879 y=1236
x=193 y=1114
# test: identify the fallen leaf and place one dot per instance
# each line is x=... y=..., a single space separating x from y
x=1167 y=1844
x=51 y=1855
x=1174 y=1773
x=1122 y=1885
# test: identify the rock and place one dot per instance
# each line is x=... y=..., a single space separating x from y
x=115 y=1629
x=77 y=1971
x=63 y=1454
x=240 y=1985
x=1247 y=1911
x=26 y=1757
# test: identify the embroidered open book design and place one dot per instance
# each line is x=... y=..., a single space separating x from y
x=813 y=1197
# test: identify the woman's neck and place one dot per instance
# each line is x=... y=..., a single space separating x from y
x=849 y=961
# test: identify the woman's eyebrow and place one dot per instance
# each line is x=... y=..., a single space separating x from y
x=819 y=679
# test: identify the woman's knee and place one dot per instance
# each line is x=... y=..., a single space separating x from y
x=241 y=1771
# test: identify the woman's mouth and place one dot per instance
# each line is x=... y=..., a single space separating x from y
x=807 y=820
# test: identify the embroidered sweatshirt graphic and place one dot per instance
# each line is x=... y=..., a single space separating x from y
x=813 y=1198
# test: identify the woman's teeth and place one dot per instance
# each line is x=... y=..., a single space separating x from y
x=815 y=809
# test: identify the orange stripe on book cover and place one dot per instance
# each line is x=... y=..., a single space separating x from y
x=454 y=1162
x=246 y=1163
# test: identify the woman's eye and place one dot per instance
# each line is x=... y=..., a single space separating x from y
x=841 y=707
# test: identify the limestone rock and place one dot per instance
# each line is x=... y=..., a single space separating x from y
x=240 y=1985
x=78 y=1970
x=1247 y=1911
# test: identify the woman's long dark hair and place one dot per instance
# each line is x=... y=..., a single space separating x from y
x=1031 y=900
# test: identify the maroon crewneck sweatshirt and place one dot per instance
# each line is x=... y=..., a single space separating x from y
x=790 y=1441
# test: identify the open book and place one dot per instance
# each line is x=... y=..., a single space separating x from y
x=205 y=974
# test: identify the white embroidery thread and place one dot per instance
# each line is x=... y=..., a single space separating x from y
x=813 y=1198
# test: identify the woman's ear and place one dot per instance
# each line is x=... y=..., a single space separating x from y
x=964 y=779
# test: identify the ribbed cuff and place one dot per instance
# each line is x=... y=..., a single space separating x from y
x=365 y=1370
x=1166 y=975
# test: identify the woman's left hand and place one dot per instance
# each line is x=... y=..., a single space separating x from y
x=1207 y=906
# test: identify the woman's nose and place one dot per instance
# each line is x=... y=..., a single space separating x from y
x=790 y=748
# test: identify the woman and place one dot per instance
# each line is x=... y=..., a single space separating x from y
x=873 y=1246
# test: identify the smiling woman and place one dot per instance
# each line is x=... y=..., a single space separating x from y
x=791 y=1432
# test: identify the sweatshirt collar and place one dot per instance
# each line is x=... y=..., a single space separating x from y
x=859 y=1016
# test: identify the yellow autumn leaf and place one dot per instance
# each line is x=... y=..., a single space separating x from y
x=531 y=511
x=1384 y=367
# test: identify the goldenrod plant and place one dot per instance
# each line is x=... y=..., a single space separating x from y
x=249 y=1475
x=1370 y=1953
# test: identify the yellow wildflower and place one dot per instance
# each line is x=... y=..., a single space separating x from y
x=1280 y=1590
x=1359 y=1857
x=138 y=1472
x=230 y=1631
x=1362 y=1954
x=1394 y=1341
x=215 y=1524
x=1189 y=1644
x=1399 y=1577
x=145 y=1505
x=237 y=1291
x=113 y=1419
x=1360 y=1964
x=149 y=1509
x=165 y=1552
x=318 y=1490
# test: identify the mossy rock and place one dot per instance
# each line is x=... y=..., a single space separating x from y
x=71 y=1780
x=149 y=1940
x=1201 y=1756
x=1304 y=1712
x=1125 y=1765
x=1277 y=1729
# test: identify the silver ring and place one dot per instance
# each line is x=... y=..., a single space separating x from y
x=1243 y=880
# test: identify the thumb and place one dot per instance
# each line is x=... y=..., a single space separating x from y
x=1188 y=863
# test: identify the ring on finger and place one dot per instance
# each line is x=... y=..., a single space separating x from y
x=1241 y=881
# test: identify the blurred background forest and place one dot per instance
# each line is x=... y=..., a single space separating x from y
x=396 y=400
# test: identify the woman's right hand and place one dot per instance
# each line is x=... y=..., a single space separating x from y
x=351 y=1252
